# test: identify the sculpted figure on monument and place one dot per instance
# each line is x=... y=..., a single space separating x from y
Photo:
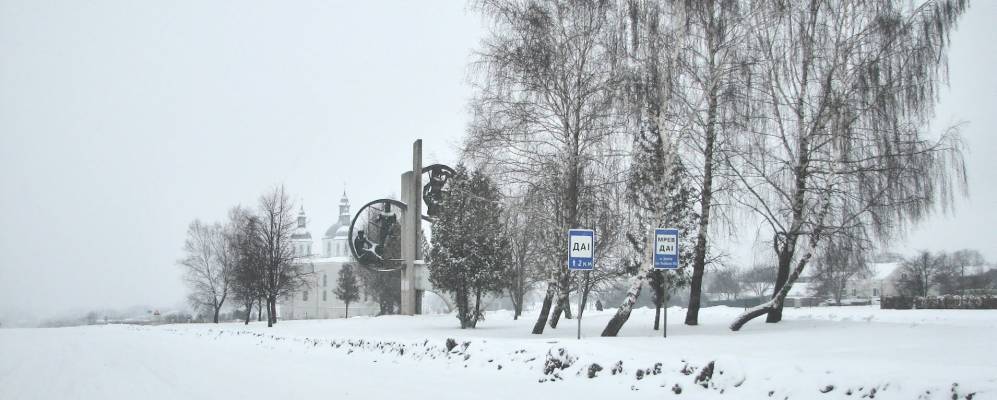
x=375 y=235
x=434 y=191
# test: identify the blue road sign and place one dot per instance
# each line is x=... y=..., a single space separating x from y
x=580 y=249
x=666 y=248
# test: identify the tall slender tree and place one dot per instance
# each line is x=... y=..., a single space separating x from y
x=659 y=188
x=543 y=114
x=242 y=229
x=283 y=271
x=709 y=101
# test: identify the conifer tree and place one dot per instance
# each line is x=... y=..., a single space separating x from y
x=469 y=256
x=347 y=290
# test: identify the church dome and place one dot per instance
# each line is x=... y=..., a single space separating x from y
x=334 y=230
x=301 y=231
x=342 y=226
x=343 y=231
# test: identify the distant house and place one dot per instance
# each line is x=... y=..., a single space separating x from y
x=880 y=281
x=862 y=288
x=883 y=281
x=801 y=294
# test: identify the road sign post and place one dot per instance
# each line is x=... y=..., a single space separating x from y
x=666 y=248
x=666 y=257
x=581 y=256
x=580 y=242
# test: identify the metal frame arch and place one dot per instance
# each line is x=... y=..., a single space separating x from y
x=353 y=251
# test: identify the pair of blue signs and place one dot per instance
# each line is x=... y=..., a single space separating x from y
x=581 y=251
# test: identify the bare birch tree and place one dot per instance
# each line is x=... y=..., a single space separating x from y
x=645 y=69
x=243 y=228
x=543 y=114
x=840 y=146
x=710 y=98
x=283 y=271
x=208 y=270
x=683 y=63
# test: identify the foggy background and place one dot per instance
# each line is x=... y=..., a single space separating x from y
x=122 y=121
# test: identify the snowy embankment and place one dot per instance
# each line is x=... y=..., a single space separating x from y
x=832 y=353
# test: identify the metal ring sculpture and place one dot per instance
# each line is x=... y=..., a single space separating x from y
x=375 y=232
x=377 y=244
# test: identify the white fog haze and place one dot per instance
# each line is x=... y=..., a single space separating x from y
x=495 y=199
x=120 y=122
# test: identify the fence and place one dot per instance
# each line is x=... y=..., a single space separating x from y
x=749 y=302
x=739 y=303
x=950 y=302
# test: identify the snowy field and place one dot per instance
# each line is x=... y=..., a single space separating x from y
x=816 y=353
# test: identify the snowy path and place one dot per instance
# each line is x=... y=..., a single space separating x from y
x=901 y=354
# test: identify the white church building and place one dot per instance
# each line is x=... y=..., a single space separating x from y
x=317 y=300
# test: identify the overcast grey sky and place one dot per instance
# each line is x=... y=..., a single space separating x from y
x=121 y=121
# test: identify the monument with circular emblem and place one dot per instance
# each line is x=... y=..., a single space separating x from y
x=385 y=234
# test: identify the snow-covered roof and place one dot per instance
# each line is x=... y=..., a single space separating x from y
x=800 y=289
x=341 y=259
x=880 y=271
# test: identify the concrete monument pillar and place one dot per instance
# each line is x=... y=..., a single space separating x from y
x=411 y=192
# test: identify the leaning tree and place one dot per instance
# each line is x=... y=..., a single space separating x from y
x=839 y=145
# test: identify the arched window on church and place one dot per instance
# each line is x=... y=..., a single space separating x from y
x=324 y=294
x=304 y=296
x=325 y=280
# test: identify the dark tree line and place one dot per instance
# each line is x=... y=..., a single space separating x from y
x=961 y=272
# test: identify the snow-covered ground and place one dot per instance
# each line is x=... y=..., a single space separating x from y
x=815 y=353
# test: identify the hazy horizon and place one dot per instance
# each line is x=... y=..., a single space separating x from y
x=121 y=122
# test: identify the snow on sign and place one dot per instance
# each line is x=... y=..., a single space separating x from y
x=580 y=251
x=666 y=248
